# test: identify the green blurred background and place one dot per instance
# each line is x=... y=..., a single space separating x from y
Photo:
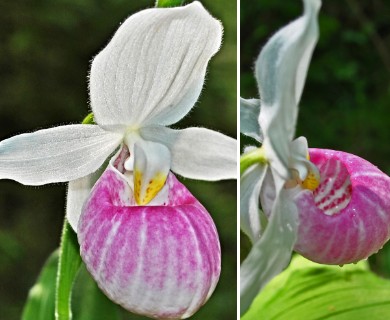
x=45 y=51
x=345 y=103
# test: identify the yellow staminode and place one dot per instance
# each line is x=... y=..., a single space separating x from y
x=145 y=191
x=313 y=178
x=312 y=181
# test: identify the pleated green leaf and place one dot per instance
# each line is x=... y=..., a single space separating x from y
x=40 y=301
x=310 y=291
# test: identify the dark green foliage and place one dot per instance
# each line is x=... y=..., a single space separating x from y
x=168 y=3
x=40 y=301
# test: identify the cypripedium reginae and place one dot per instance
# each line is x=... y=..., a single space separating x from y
x=281 y=70
x=329 y=206
x=148 y=243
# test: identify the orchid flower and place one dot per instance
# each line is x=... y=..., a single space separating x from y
x=149 y=244
x=281 y=70
x=330 y=206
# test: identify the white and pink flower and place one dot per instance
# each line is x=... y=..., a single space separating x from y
x=330 y=206
x=149 y=244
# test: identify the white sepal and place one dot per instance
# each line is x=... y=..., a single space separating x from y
x=281 y=70
x=272 y=252
x=153 y=69
x=251 y=182
x=249 y=118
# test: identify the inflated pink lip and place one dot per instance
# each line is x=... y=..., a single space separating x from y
x=161 y=261
x=349 y=221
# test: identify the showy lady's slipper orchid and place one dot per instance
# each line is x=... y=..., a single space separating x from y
x=149 y=244
x=281 y=70
x=333 y=209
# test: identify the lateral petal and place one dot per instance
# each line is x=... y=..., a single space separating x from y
x=56 y=155
x=251 y=182
x=281 y=70
x=153 y=69
x=197 y=153
x=249 y=118
x=272 y=252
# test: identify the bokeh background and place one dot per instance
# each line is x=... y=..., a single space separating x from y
x=346 y=101
x=45 y=52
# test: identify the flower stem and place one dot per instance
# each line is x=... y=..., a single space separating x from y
x=168 y=3
x=252 y=157
x=89 y=119
x=68 y=266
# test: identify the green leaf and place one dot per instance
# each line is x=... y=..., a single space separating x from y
x=68 y=266
x=40 y=301
x=168 y=3
x=307 y=290
x=89 y=302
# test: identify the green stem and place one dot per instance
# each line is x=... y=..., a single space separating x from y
x=89 y=119
x=68 y=266
x=252 y=157
x=168 y=3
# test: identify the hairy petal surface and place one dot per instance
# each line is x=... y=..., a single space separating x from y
x=251 y=182
x=197 y=153
x=281 y=70
x=272 y=252
x=153 y=69
x=249 y=118
x=348 y=217
x=162 y=261
x=56 y=155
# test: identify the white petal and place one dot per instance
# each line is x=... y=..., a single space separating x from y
x=281 y=70
x=78 y=192
x=249 y=118
x=152 y=162
x=250 y=185
x=272 y=252
x=56 y=155
x=197 y=153
x=153 y=69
